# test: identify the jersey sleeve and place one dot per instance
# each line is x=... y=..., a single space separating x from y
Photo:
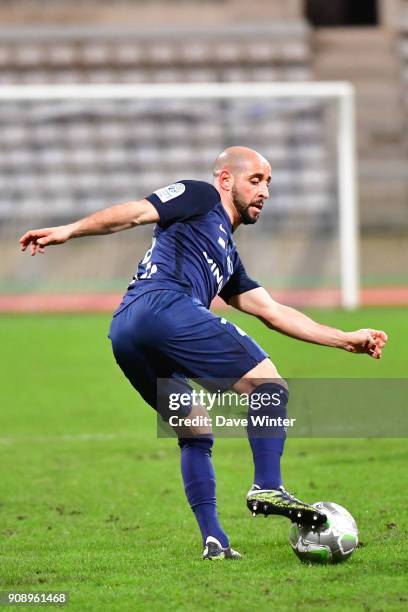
x=239 y=282
x=183 y=201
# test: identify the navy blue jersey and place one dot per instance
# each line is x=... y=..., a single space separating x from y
x=192 y=248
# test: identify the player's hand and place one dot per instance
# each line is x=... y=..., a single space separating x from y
x=370 y=341
x=37 y=240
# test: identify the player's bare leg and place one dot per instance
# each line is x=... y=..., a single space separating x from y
x=199 y=482
x=267 y=494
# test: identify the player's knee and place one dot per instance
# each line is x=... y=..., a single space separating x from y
x=267 y=412
x=270 y=396
x=264 y=372
x=174 y=400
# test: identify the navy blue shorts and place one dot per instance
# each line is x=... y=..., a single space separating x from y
x=168 y=334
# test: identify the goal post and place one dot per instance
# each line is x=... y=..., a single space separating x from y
x=339 y=93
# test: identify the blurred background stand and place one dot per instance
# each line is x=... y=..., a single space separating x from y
x=58 y=162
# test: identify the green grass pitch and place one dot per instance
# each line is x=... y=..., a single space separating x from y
x=92 y=503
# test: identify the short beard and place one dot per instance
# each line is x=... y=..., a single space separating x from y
x=242 y=209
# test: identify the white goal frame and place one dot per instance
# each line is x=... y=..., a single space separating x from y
x=341 y=92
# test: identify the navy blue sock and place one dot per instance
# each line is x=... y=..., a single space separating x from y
x=267 y=442
x=199 y=484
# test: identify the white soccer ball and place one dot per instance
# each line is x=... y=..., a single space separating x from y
x=332 y=542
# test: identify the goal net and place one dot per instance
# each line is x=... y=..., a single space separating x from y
x=68 y=150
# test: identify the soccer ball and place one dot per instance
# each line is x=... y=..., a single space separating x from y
x=333 y=542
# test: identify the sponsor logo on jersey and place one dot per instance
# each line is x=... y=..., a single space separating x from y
x=230 y=266
x=170 y=192
x=215 y=271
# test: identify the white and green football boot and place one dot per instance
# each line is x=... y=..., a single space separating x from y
x=213 y=551
x=281 y=502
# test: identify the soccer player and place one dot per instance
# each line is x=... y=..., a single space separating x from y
x=164 y=329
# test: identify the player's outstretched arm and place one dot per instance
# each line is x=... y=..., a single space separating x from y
x=106 y=221
x=293 y=323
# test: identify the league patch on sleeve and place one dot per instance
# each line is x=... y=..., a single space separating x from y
x=170 y=192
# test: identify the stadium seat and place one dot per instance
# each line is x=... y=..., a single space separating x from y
x=104 y=148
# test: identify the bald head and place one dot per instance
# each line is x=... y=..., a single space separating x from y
x=237 y=160
x=242 y=177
